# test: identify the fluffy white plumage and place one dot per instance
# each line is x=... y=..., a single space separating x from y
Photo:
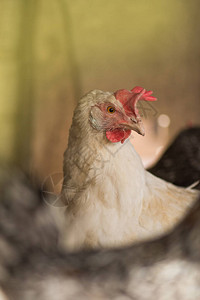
x=111 y=199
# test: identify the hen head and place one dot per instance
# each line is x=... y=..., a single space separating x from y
x=117 y=114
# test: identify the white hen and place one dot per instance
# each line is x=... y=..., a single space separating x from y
x=111 y=199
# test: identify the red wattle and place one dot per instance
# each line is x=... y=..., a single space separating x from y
x=118 y=135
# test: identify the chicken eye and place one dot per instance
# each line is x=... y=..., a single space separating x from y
x=110 y=109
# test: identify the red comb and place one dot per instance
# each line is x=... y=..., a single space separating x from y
x=130 y=98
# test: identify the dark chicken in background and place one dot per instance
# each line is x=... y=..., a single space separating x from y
x=32 y=266
x=180 y=163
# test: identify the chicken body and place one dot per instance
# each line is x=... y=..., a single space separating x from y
x=111 y=199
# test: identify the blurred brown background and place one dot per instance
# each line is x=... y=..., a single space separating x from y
x=54 y=51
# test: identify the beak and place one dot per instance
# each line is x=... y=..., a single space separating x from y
x=134 y=124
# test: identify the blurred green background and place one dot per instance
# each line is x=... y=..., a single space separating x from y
x=54 y=51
